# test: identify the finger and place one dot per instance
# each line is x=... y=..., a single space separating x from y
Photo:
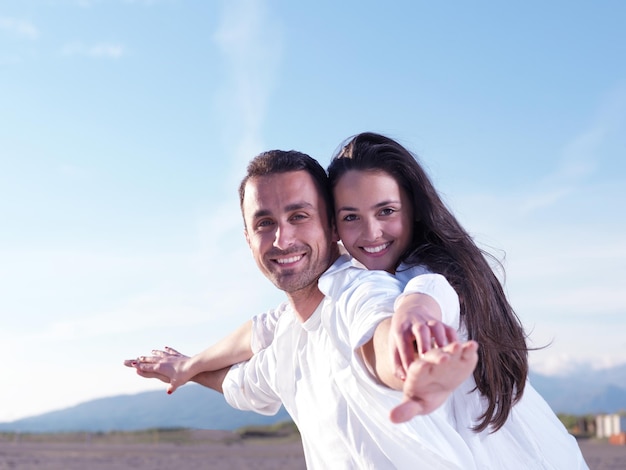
x=159 y=353
x=453 y=349
x=451 y=334
x=398 y=369
x=438 y=333
x=405 y=411
x=422 y=337
x=172 y=351
x=405 y=348
x=433 y=356
x=152 y=375
x=172 y=388
x=469 y=351
x=130 y=362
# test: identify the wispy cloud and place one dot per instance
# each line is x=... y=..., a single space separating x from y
x=582 y=155
x=250 y=42
x=91 y=3
x=19 y=28
x=101 y=50
x=144 y=2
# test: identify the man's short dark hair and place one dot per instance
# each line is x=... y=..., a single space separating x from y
x=283 y=161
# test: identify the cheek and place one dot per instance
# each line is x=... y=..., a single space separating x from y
x=399 y=229
x=255 y=243
x=347 y=233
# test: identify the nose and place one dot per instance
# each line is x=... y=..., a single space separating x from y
x=372 y=230
x=284 y=236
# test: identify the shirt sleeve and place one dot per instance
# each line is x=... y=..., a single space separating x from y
x=264 y=329
x=362 y=300
x=249 y=386
x=437 y=287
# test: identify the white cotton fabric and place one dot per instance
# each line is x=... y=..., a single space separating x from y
x=264 y=327
x=341 y=412
x=532 y=438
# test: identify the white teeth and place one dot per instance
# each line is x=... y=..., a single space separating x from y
x=375 y=249
x=293 y=259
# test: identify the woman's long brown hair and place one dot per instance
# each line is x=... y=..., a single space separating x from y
x=441 y=244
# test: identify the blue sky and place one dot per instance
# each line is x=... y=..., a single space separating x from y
x=125 y=127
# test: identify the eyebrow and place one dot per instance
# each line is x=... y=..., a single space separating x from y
x=288 y=208
x=377 y=205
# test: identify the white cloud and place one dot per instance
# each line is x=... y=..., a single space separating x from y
x=565 y=252
x=19 y=28
x=101 y=50
x=564 y=364
x=582 y=156
x=94 y=309
x=251 y=45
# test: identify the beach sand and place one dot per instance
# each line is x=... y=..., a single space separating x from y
x=600 y=455
x=157 y=450
x=225 y=451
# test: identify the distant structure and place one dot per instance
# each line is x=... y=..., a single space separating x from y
x=607 y=425
x=611 y=426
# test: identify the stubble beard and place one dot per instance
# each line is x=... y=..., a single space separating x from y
x=291 y=281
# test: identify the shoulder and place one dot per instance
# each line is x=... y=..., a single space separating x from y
x=344 y=275
x=405 y=273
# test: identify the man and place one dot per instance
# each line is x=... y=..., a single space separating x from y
x=329 y=363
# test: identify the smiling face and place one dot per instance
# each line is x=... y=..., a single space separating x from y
x=288 y=231
x=374 y=218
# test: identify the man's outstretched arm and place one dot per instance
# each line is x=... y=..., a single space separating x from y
x=212 y=379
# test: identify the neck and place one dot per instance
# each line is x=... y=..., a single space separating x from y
x=306 y=300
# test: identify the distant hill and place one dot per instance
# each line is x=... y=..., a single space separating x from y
x=193 y=406
x=585 y=391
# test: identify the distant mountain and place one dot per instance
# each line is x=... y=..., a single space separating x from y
x=585 y=391
x=193 y=406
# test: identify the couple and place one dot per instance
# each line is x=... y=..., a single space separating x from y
x=339 y=358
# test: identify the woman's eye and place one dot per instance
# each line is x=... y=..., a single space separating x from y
x=349 y=218
x=387 y=211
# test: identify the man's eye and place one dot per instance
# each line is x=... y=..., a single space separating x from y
x=297 y=217
x=264 y=223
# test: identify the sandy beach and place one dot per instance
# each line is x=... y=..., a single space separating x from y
x=210 y=450
x=58 y=456
x=600 y=455
x=153 y=450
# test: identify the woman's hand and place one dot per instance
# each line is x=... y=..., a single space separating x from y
x=433 y=377
x=168 y=365
x=416 y=328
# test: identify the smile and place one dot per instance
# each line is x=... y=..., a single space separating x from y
x=289 y=260
x=376 y=249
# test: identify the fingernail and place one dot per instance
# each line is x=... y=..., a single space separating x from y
x=169 y=392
